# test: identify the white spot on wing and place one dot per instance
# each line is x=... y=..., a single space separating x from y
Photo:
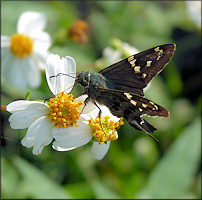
x=133 y=102
x=152 y=103
x=144 y=105
x=128 y=95
x=144 y=75
x=149 y=63
x=156 y=49
x=137 y=69
x=156 y=107
x=130 y=58
x=133 y=63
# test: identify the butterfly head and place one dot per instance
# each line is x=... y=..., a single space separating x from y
x=83 y=78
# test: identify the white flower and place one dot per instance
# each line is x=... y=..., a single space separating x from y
x=130 y=50
x=194 y=11
x=33 y=114
x=69 y=139
x=60 y=118
x=116 y=52
x=24 y=53
x=111 y=55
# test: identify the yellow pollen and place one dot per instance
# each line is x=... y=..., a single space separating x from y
x=107 y=131
x=64 y=111
x=21 y=45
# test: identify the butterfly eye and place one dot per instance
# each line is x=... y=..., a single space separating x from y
x=84 y=83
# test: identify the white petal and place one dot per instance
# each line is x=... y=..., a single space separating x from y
x=72 y=137
x=22 y=105
x=89 y=107
x=92 y=111
x=38 y=135
x=31 y=22
x=99 y=150
x=40 y=59
x=24 y=118
x=5 y=41
x=106 y=112
x=67 y=67
x=33 y=75
x=42 y=41
x=52 y=64
x=16 y=75
x=82 y=98
x=6 y=62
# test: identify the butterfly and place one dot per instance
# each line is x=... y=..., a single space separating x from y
x=120 y=86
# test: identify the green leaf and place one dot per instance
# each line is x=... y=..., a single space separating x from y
x=27 y=95
x=36 y=184
x=174 y=174
x=99 y=187
x=102 y=191
x=9 y=179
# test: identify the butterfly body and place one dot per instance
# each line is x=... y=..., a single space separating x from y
x=120 y=86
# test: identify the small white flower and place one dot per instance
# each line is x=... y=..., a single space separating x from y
x=116 y=52
x=71 y=138
x=35 y=115
x=111 y=55
x=24 y=53
x=130 y=50
x=194 y=11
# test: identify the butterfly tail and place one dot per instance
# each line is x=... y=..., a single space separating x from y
x=144 y=126
x=147 y=126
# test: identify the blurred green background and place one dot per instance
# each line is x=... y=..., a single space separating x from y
x=135 y=165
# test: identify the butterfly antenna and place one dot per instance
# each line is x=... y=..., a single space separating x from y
x=59 y=74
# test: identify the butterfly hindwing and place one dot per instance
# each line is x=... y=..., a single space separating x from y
x=130 y=106
x=123 y=101
x=135 y=72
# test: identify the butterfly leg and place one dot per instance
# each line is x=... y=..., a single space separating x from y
x=99 y=115
x=85 y=102
x=48 y=99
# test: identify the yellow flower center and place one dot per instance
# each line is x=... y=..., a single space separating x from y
x=105 y=132
x=64 y=111
x=21 y=45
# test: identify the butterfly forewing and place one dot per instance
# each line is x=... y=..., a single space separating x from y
x=131 y=107
x=135 y=72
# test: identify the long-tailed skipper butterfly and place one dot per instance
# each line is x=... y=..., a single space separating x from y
x=120 y=86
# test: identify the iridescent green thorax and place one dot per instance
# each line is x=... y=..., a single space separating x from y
x=98 y=80
x=91 y=79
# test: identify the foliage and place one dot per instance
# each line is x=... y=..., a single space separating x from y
x=135 y=166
